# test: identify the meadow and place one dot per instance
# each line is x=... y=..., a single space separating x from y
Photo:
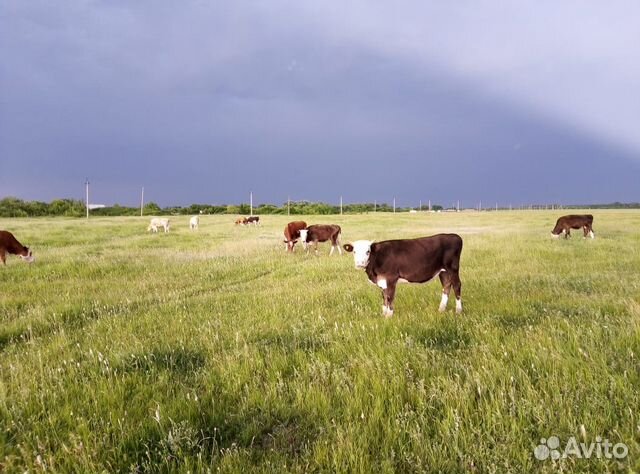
x=125 y=351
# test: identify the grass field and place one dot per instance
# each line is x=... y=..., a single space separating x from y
x=123 y=351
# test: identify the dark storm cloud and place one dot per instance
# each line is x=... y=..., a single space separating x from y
x=203 y=102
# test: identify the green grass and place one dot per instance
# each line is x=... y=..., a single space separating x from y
x=123 y=351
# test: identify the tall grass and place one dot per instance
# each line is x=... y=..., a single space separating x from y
x=122 y=351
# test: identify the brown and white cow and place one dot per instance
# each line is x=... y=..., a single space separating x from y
x=10 y=245
x=574 y=221
x=255 y=220
x=321 y=233
x=411 y=260
x=292 y=233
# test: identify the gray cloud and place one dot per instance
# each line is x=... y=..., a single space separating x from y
x=203 y=102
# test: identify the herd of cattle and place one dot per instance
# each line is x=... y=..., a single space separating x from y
x=386 y=263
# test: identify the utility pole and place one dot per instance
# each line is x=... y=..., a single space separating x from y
x=141 y=201
x=420 y=205
x=340 y=205
x=288 y=205
x=251 y=203
x=87 y=195
x=458 y=206
x=375 y=205
x=429 y=205
x=394 y=205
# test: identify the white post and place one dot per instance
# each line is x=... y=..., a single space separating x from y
x=288 y=205
x=251 y=203
x=429 y=205
x=340 y=205
x=394 y=205
x=458 y=206
x=420 y=209
x=87 y=195
x=142 y=201
x=375 y=205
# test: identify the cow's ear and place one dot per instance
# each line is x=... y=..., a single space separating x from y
x=348 y=247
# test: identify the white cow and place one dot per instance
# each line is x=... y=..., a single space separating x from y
x=194 y=223
x=159 y=222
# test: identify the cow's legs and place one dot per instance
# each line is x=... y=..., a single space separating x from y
x=457 y=289
x=388 y=294
x=567 y=233
x=450 y=278
x=446 y=288
x=3 y=256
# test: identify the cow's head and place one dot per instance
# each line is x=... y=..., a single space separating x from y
x=557 y=231
x=304 y=233
x=290 y=244
x=26 y=255
x=361 y=251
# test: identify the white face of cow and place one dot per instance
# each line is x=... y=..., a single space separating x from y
x=29 y=258
x=303 y=237
x=361 y=250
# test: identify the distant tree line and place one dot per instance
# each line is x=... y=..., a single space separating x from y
x=14 y=207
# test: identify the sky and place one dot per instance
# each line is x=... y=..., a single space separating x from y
x=205 y=101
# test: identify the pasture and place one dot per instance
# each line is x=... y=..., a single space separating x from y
x=126 y=351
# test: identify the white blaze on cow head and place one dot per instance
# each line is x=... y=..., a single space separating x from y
x=29 y=258
x=361 y=250
x=303 y=237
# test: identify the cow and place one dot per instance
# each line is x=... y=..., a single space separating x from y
x=10 y=245
x=194 y=223
x=159 y=222
x=255 y=220
x=321 y=233
x=241 y=220
x=292 y=234
x=574 y=221
x=411 y=260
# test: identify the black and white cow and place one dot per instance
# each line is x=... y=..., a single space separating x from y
x=411 y=260
x=321 y=233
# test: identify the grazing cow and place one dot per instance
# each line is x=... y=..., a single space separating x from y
x=574 y=221
x=241 y=220
x=292 y=233
x=10 y=245
x=411 y=260
x=159 y=222
x=255 y=220
x=321 y=233
x=194 y=223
